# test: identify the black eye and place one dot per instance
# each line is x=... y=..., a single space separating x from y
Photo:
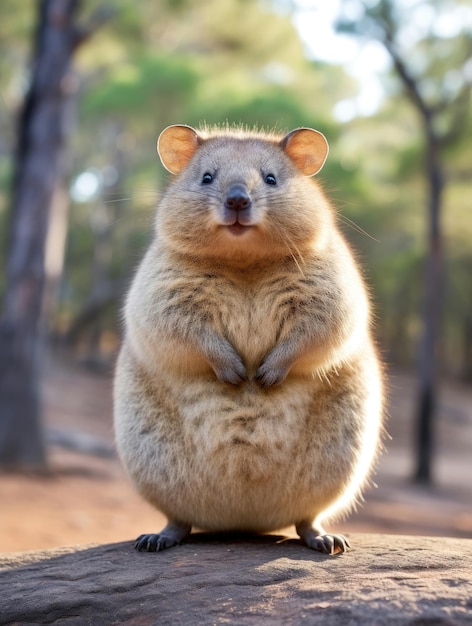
x=270 y=179
x=207 y=178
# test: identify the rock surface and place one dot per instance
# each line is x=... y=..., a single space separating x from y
x=384 y=579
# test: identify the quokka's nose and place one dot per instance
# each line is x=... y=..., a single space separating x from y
x=238 y=198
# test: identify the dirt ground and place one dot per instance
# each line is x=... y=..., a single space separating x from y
x=86 y=498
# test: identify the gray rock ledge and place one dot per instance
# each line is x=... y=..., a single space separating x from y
x=218 y=579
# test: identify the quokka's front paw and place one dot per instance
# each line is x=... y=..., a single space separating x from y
x=232 y=374
x=228 y=365
x=275 y=366
x=268 y=376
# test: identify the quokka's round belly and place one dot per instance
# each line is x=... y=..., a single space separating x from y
x=241 y=487
x=255 y=468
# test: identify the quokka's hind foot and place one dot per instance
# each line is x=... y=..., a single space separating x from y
x=172 y=535
x=317 y=539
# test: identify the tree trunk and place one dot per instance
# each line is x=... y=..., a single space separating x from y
x=41 y=137
x=467 y=349
x=431 y=313
x=54 y=254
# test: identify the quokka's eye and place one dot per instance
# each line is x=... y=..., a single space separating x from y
x=207 y=178
x=270 y=179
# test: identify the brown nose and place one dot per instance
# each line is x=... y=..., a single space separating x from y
x=238 y=198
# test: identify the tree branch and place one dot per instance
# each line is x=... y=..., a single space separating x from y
x=408 y=80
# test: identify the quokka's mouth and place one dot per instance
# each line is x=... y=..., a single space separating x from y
x=237 y=229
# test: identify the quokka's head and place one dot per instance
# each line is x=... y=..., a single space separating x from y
x=241 y=194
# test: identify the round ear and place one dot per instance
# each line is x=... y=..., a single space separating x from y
x=307 y=148
x=176 y=146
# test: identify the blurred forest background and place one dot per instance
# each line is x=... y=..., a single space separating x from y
x=399 y=170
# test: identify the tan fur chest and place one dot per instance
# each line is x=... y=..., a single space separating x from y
x=251 y=314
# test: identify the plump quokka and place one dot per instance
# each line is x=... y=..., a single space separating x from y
x=248 y=390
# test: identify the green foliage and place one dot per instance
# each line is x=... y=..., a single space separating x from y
x=142 y=85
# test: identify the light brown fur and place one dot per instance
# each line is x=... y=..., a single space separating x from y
x=248 y=391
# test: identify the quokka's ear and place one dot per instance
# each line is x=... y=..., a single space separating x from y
x=176 y=146
x=307 y=148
